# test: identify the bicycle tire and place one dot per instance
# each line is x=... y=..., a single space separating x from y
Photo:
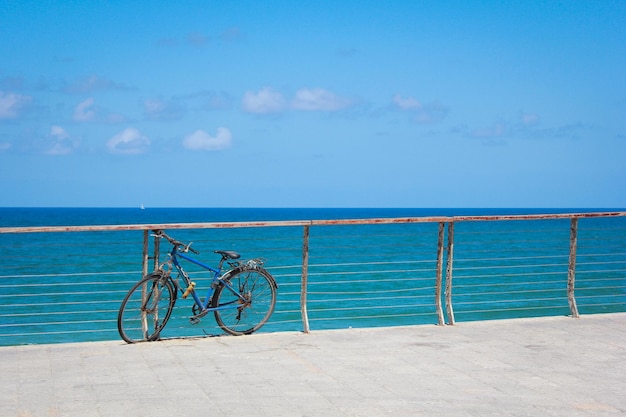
x=142 y=319
x=237 y=317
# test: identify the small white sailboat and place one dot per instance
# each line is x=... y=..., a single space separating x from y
x=142 y=207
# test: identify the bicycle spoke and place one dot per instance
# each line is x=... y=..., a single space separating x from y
x=246 y=311
x=146 y=309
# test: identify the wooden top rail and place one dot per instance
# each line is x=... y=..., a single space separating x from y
x=226 y=225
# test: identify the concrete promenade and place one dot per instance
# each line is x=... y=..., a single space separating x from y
x=555 y=366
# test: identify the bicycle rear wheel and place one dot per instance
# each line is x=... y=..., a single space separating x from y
x=146 y=309
x=239 y=316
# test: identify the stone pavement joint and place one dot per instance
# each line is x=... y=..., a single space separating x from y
x=552 y=366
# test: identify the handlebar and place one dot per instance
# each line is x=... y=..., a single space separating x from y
x=176 y=243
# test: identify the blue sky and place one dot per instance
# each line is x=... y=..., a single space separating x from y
x=313 y=104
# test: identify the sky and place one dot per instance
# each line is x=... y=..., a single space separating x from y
x=313 y=103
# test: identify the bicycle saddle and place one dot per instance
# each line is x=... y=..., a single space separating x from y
x=228 y=254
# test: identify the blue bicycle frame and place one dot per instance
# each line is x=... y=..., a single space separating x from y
x=242 y=296
x=217 y=280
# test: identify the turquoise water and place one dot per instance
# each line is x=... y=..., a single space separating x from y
x=66 y=287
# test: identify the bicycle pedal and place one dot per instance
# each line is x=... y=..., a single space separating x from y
x=196 y=318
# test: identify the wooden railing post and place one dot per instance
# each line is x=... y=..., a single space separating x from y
x=450 y=258
x=438 y=280
x=571 y=270
x=305 y=278
x=157 y=250
x=144 y=268
x=144 y=287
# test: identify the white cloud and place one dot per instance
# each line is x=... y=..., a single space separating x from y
x=157 y=109
x=58 y=132
x=420 y=113
x=408 y=103
x=93 y=83
x=212 y=101
x=431 y=113
x=530 y=119
x=202 y=141
x=318 y=99
x=496 y=131
x=129 y=141
x=11 y=104
x=264 y=101
x=85 y=111
x=62 y=144
x=267 y=101
x=153 y=106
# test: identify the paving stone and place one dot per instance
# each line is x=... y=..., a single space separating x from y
x=555 y=366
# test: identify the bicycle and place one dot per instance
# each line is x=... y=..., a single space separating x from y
x=242 y=298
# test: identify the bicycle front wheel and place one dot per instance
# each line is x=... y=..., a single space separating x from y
x=245 y=301
x=146 y=309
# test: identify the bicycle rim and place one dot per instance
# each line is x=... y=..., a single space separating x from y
x=238 y=317
x=146 y=309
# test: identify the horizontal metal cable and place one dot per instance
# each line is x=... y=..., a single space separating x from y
x=374 y=273
x=67 y=284
x=377 y=316
x=527 y=300
x=58 y=332
x=49 y=294
x=75 y=274
x=603 y=278
x=467 y=268
x=492 y=293
x=603 y=305
x=339 y=264
x=356 y=308
x=369 y=291
x=504 y=310
x=378 y=280
x=508 y=283
x=58 y=323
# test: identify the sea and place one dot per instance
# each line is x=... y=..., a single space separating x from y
x=62 y=287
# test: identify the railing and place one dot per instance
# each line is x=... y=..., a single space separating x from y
x=60 y=284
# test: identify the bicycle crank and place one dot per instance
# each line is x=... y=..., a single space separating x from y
x=197 y=314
